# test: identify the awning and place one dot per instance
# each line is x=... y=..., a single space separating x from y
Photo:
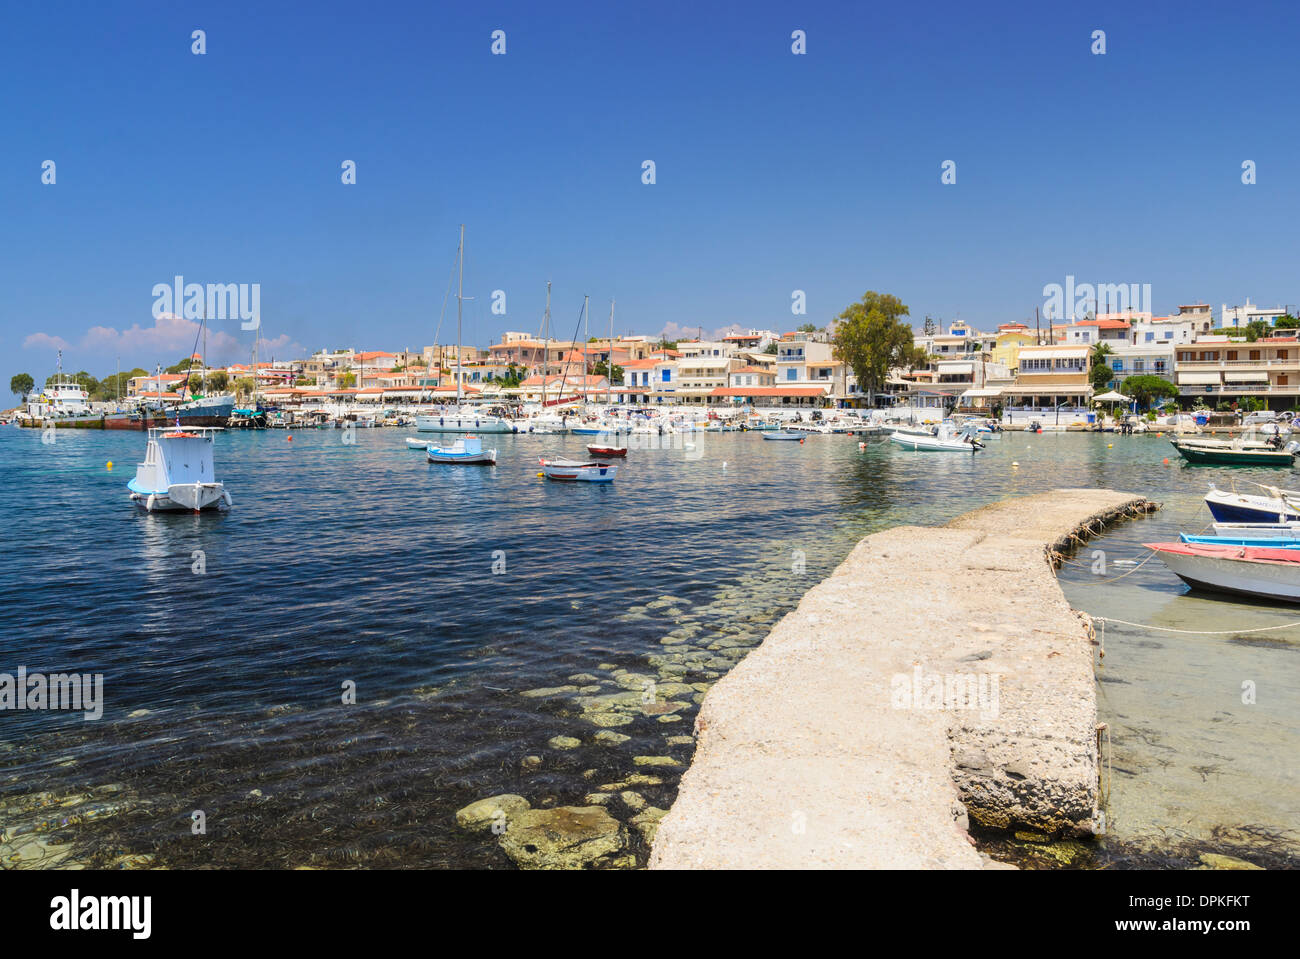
x=1246 y=376
x=1198 y=379
x=949 y=368
x=986 y=392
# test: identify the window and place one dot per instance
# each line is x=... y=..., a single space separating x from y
x=1169 y=334
x=668 y=375
x=1138 y=366
x=1152 y=336
x=1232 y=355
x=791 y=374
x=1254 y=355
x=1281 y=354
x=1117 y=365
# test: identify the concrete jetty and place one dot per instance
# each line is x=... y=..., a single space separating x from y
x=937 y=676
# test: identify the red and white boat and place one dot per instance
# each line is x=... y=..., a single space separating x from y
x=1264 y=572
x=606 y=451
x=578 y=471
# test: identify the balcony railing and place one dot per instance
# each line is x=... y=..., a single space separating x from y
x=1193 y=389
x=1235 y=364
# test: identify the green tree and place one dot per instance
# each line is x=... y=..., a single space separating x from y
x=600 y=368
x=1146 y=388
x=195 y=382
x=1256 y=329
x=872 y=338
x=22 y=384
x=771 y=349
x=111 y=387
x=347 y=381
x=806 y=328
x=218 y=381
x=1100 y=372
x=244 y=386
x=182 y=367
x=930 y=327
x=1287 y=322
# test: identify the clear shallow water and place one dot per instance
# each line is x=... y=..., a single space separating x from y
x=363 y=563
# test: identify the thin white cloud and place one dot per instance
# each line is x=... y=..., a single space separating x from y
x=168 y=338
x=675 y=331
x=43 y=341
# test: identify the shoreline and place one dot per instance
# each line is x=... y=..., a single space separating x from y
x=813 y=751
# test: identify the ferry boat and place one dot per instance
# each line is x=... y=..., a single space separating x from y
x=177 y=472
x=64 y=402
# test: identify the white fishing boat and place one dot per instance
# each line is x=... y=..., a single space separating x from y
x=177 y=472
x=578 y=471
x=1260 y=572
x=783 y=435
x=467 y=451
x=944 y=438
x=412 y=443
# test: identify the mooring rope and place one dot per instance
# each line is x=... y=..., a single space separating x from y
x=1193 y=632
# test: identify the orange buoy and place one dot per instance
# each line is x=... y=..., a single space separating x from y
x=1166 y=461
x=289 y=438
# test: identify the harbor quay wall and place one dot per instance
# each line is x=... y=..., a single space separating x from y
x=937 y=676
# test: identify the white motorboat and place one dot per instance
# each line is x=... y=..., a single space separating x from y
x=412 y=443
x=1274 y=506
x=943 y=439
x=177 y=472
x=463 y=420
x=467 y=451
x=579 y=470
x=783 y=435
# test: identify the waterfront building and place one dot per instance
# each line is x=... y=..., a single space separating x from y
x=149 y=386
x=1221 y=368
x=1153 y=358
x=1239 y=317
x=1007 y=342
x=1091 y=332
x=1051 y=386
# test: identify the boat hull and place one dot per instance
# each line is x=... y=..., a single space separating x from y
x=463 y=424
x=1239 y=508
x=1245 y=571
x=182 y=498
x=1224 y=456
x=570 y=472
x=485 y=458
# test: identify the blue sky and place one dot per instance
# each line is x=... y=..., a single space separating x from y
x=775 y=172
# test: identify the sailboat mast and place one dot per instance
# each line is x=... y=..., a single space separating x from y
x=585 y=338
x=546 y=344
x=460 y=298
x=203 y=385
x=609 y=362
